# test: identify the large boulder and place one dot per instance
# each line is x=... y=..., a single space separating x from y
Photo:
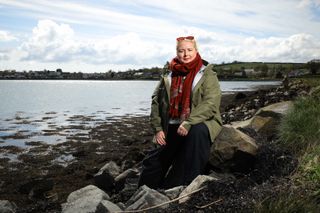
x=232 y=148
x=88 y=199
x=266 y=119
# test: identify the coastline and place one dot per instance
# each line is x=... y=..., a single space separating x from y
x=40 y=177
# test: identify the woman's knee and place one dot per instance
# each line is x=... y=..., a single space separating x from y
x=199 y=129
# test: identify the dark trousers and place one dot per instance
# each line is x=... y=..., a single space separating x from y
x=179 y=161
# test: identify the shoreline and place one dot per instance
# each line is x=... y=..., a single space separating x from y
x=40 y=177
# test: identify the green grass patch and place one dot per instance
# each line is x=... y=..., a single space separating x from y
x=312 y=80
x=290 y=202
x=300 y=128
x=309 y=168
x=299 y=132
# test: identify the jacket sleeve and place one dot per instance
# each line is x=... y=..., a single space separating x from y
x=209 y=106
x=155 y=117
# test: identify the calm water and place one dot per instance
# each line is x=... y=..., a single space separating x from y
x=30 y=109
x=114 y=97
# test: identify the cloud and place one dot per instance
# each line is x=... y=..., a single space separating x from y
x=295 y=48
x=309 y=3
x=50 y=42
x=3 y=56
x=6 y=36
x=53 y=42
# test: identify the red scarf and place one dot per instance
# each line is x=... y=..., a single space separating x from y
x=180 y=91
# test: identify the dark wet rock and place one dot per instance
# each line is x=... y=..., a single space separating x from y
x=104 y=180
x=36 y=188
x=34 y=143
x=80 y=153
x=240 y=95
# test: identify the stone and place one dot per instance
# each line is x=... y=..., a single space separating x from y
x=196 y=184
x=105 y=178
x=7 y=206
x=315 y=92
x=146 y=197
x=174 y=192
x=266 y=119
x=85 y=200
x=108 y=206
x=112 y=168
x=122 y=178
x=228 y=143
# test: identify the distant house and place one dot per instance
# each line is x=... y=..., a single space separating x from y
x=249 y=71
x=239 y=73
x=138 y=74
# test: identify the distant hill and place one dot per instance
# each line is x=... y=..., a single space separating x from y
x=226 y=71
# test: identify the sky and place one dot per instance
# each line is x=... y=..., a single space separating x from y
x=102 y=35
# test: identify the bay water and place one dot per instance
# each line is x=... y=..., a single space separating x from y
x=29 y=107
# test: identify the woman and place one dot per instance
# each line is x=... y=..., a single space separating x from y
x=185 y=117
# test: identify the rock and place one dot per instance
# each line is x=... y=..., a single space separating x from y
x=104 y=179
x=7 y=206
x=266 y=119
x=146 y=197
x=121 y=179
x=112 y=168
x=315 y=92
x=87 y=199
x=229 y=142
x=196 y=184
x=174 y=192
x=107 y=206
x=222 y=176
x=240 y=95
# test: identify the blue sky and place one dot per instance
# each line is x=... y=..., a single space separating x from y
x=96 y=36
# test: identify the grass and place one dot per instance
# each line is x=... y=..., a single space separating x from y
x=299 y=132
x=300 y=128
x=289 y=202
x=309 y=167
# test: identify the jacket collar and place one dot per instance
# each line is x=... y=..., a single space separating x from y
x=196 y=82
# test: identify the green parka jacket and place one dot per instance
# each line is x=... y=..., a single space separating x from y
x=205 y=102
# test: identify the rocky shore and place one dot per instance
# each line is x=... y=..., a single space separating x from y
x=40 y=177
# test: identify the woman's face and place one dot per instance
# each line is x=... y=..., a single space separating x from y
x=186 y=51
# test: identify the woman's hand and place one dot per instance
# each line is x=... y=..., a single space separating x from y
x=182 y=131
x=161 y=138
